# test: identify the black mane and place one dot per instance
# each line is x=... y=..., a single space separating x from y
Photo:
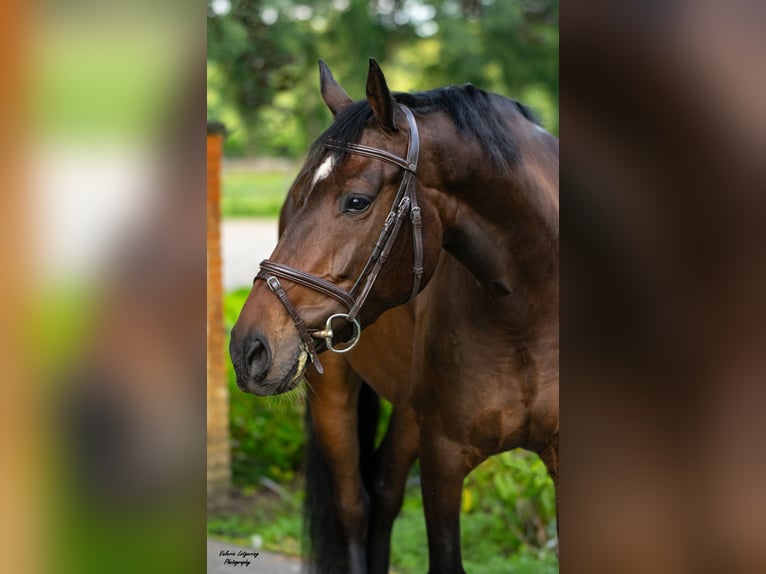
x=474 y=112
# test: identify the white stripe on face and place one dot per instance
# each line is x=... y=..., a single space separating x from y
x=323 y=170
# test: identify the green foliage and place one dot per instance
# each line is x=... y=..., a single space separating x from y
x=507 y=522
x=254 y=193
x=265 y=53
x=267 y=439
x=524 y=501
x=278 y=521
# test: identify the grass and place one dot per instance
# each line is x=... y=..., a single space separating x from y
x=254 y=193
x=259 y=512
x=278 y=522
x=485 y=543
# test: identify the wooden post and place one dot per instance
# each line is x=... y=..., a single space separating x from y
x=218 y=450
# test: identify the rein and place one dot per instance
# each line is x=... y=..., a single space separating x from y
x=405 y=202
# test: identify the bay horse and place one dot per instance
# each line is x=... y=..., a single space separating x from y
x=477 y=178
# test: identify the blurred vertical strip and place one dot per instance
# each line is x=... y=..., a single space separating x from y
x=21 y=517
x=663 y=129
x=102 y=298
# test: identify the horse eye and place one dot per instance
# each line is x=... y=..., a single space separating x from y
x=356 y=204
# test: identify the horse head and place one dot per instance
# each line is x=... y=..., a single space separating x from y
x=358 y=236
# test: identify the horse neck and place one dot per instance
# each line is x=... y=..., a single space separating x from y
x=501 y=224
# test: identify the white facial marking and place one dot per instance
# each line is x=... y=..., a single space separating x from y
x=323 y=170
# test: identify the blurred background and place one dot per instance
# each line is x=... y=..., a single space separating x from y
x=102 y=223
x=102 y=301
x=265 y=109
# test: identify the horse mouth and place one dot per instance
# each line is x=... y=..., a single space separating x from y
x=298 y=370
x=278 y=381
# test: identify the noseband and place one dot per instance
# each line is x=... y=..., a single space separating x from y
x=404 y=203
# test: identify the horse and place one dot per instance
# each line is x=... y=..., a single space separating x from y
x=477 y=179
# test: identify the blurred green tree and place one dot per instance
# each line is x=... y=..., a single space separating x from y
x=262 y=75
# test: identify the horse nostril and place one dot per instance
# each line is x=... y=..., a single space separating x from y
x=258 y=357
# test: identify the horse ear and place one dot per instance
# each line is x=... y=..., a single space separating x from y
x=333 y=95
x=379 y=96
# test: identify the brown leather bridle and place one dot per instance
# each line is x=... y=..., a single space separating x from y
x=405 y=202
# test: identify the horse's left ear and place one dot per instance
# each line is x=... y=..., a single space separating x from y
x=380 y=98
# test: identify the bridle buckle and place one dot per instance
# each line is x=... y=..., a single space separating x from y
x=273 y=283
